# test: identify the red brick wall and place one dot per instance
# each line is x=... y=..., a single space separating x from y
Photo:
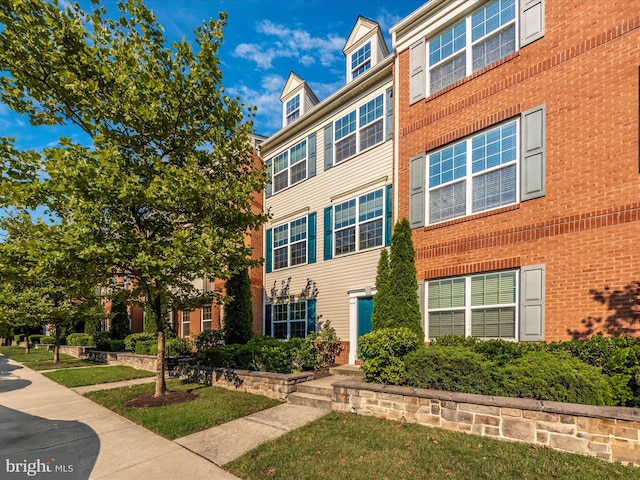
x=586 y=229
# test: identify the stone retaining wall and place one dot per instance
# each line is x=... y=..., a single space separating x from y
x=608 y=433
x=272 y=385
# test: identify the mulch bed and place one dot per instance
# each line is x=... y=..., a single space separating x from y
x=170 y=398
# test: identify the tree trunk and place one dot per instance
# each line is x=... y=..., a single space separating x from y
x=56 y=346
x=26 y=337
x=161 y=385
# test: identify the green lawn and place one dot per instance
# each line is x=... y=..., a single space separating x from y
x=41 y=359
x=214 y=406
x=348 y=446
x=92 y=376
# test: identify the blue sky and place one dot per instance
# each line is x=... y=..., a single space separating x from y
x=263 y=41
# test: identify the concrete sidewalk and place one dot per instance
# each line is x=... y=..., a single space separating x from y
x=41 y=417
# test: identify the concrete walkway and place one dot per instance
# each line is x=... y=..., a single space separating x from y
x=41 y=417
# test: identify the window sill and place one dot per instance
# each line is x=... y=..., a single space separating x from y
x=469 y=218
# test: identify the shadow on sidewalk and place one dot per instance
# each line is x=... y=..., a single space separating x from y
x=29 y=438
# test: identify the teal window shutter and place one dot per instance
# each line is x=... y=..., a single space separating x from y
x=328 y=233
x=328 y=146
x=533 y=154
x=268 y=187
x=311 y=227
x=267 y=320
x=389 y=114
x=311 y=316
x=416 y=191
x=388 y=215
x=532 y=293
x=269 y=251
x=531 y=21
x=311 y=155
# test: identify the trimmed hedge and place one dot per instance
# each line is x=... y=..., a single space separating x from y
x=46 y=340
x=116 y=346
x=35 y=338
x=131 y=340
x=382 y=352
x=454 y=369
x=173 y=347
x=80 y=339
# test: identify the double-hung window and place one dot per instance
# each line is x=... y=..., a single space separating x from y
x=482 y=306
x=206 y=318
x=476 y=174
x=358 y=223
x=481 y=38
x=292 y=109
x=290 y=244
x=186 y=322
x=289 y=320
x=290 y=167
x=359 y=129
x=361 y=60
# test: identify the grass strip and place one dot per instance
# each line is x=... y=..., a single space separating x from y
x=214 y=406
x=91 y=376
x=42 y=359
x=348 y=446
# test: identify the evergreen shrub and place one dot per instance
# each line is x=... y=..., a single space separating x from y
x=47 y=340
x=35 y=338
x=382 y=352
x=80 y=339
x=131 y=340
x=454 y=369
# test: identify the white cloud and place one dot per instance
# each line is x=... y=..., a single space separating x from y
x=267 y=99
x=386 y=20
x=291 y=43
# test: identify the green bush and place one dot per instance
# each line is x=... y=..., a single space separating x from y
x=101 y=341
x=146 y=347
x=326 y=346
x=131 y=340
x=46 y=340
x=558 y=377
x=35 y=338
x=116 y=345
x=80 y=339
x=382 y=352
x=175 y=347
x=209 y=339
x=454 y=369
x=19 y=337
x=596 y=351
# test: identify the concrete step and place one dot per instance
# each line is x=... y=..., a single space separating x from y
x=310 y=400
x=313 y=388
x=347 y=371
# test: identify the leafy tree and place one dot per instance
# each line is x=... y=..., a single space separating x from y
x=238 y=314
x=163 y=192
x=397 y=296
x=119 y=321
x=40 y=282
x=381 y=300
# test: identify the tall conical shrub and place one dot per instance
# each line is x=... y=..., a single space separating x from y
x=403 y=285
x=238 y=314
x=382 y=300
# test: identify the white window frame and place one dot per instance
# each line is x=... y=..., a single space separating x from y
x=288 y=320
x=364 y=64
x=469 y=308
x=358 y=223
x=470 y=175
x=290 y=243
x=290 y=168
x=467 y=50
x=187 y=314
x=204 y=320
x=357 y=131
x=291 y=111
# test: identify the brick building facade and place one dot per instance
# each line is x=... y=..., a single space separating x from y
x=517 y=163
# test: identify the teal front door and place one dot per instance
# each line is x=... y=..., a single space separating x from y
x=365 y=310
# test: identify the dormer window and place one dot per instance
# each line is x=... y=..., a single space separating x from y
x=292 y=109
x=361 y=60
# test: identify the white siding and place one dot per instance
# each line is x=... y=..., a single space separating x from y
x=364 y=172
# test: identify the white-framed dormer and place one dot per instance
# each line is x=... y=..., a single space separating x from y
x=365 y=48
x=297 y=99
